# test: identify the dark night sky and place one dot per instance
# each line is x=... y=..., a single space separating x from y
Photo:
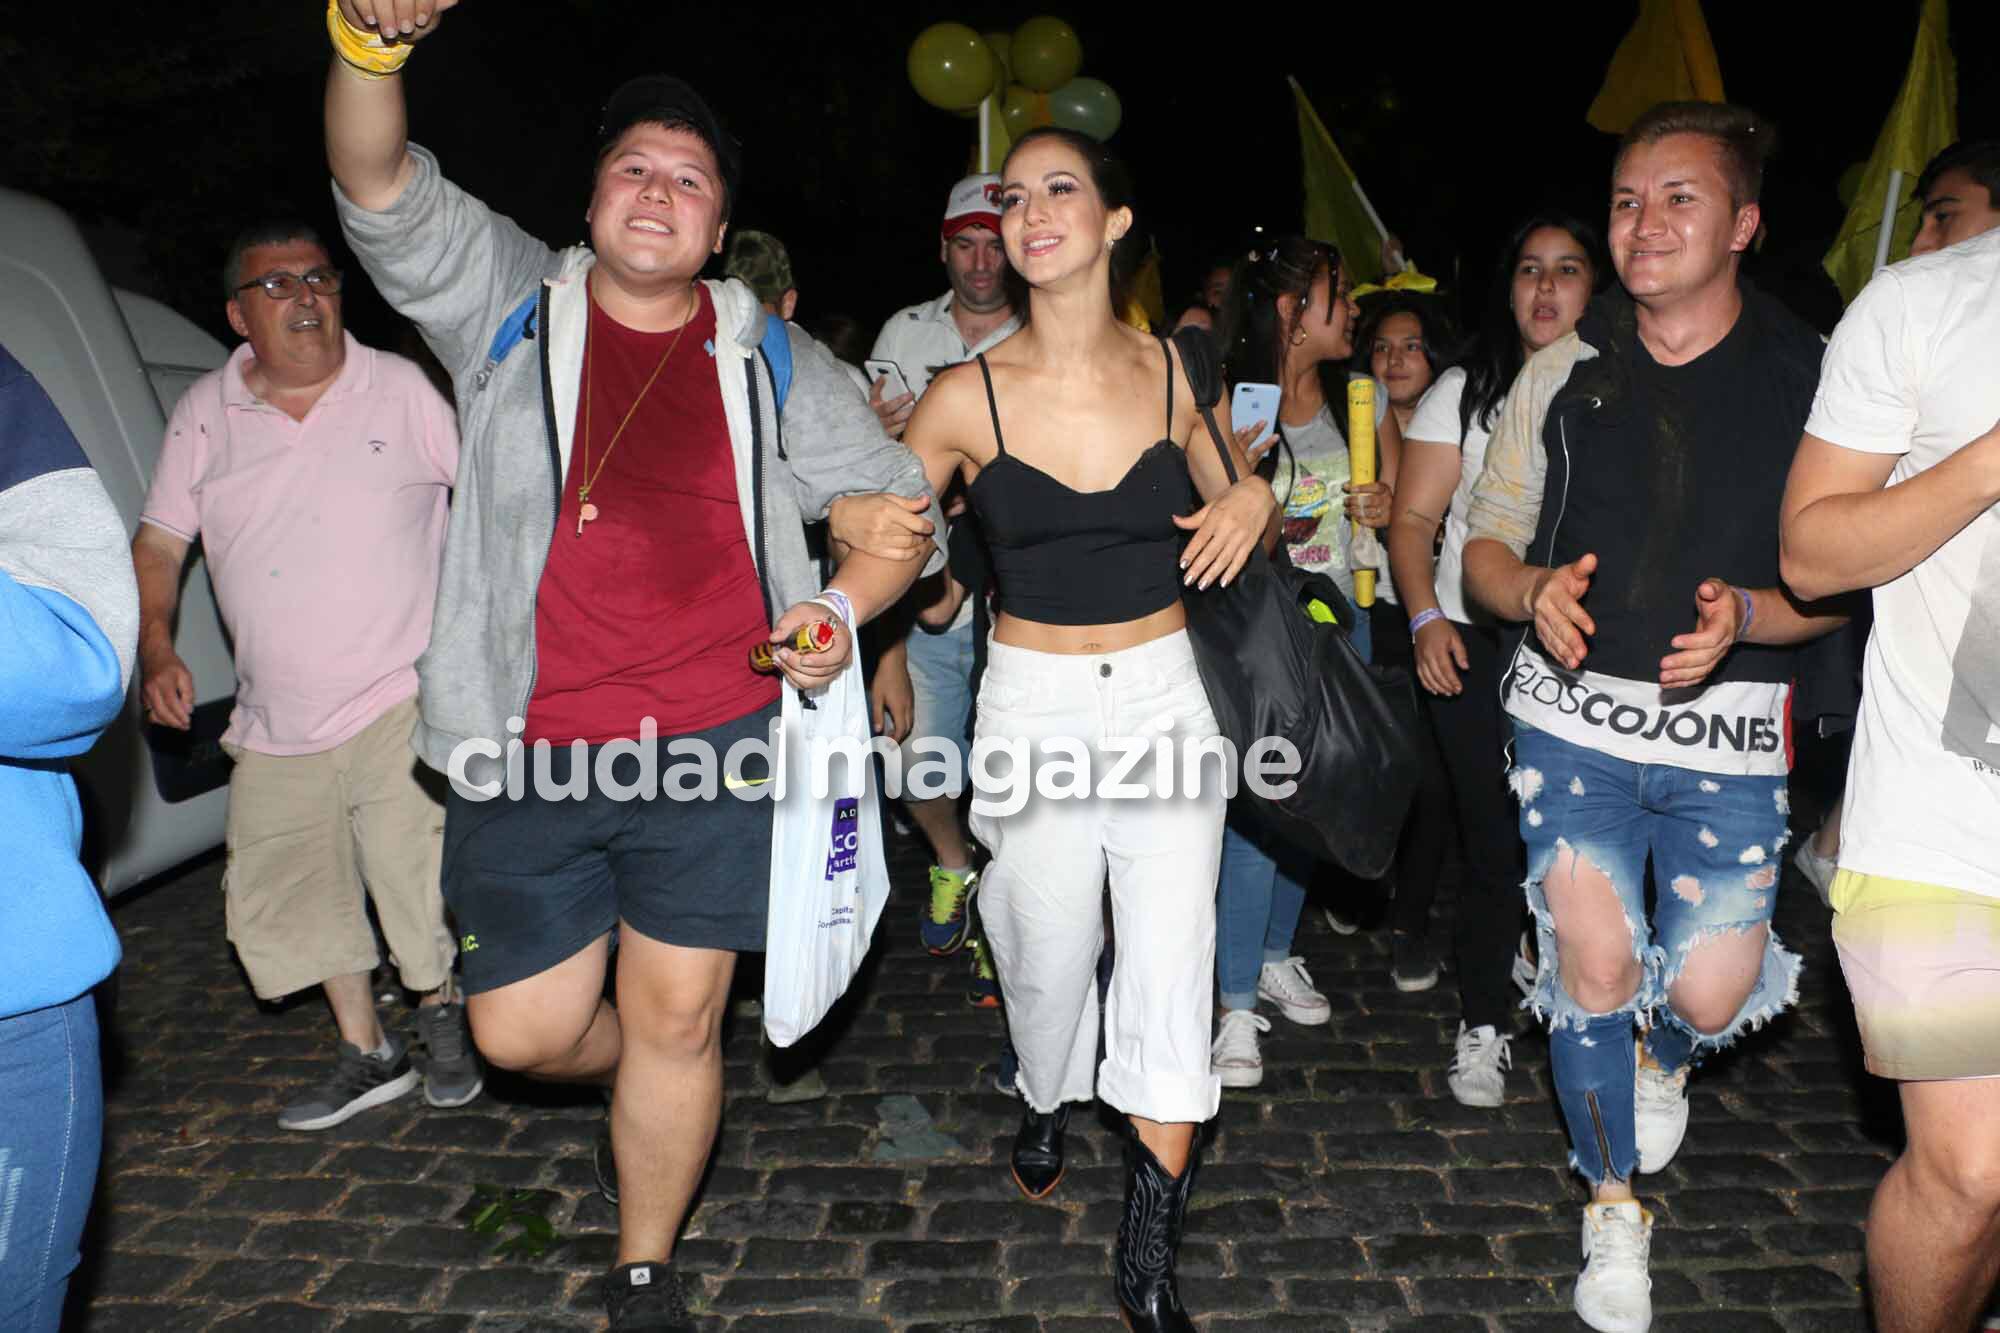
x=164 y=142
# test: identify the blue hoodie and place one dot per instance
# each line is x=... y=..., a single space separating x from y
x=69 y=625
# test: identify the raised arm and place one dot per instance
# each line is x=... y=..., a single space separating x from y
x=367 y=130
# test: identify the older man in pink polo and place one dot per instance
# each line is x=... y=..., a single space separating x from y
x=316 y=472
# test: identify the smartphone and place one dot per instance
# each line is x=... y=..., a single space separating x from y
x=879 y=369
x=1253 y=402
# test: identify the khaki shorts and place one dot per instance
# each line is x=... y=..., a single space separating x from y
x=1923 y=965
x=307 y=832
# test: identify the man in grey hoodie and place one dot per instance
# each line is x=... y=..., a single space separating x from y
x=628 y=521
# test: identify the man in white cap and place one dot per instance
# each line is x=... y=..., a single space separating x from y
x=923 y=681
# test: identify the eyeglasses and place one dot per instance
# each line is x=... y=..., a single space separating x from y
x=283 y=286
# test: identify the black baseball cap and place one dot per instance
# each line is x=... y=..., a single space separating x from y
x=665 y=100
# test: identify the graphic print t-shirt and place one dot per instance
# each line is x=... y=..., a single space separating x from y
x=1911 y=372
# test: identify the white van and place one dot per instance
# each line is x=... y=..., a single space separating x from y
x=115 y=363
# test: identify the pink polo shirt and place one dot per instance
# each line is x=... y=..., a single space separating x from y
x=323 y=539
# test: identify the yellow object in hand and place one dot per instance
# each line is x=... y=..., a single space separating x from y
x=365 y=52
x=1361 y=462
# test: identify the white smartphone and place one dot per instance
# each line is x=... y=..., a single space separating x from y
x=1252 y=402
x=879 y=370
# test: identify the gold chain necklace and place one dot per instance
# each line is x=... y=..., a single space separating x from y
x=585 y=510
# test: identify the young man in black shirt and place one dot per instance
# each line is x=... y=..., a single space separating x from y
x=1632 y=486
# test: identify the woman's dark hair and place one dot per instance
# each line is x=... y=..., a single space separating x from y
x=1249 y=329
x=1494 y=358
x=1108 y=175
x=1440 y=331
x=843 y=335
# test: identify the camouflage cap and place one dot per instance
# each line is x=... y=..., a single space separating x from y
x=759 y=259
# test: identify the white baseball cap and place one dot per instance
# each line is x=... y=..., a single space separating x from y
x=974 y=202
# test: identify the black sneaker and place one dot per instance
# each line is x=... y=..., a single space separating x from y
x=357 y=1082
x=647 y=1298
x=451 y=1078
x=1414 y=964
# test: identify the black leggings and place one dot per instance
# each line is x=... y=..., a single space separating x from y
x=1471 y=734
x=1420 y=853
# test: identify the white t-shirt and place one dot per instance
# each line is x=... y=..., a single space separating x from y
x=922 y=340
x=1436 y=422
x=1912 y=371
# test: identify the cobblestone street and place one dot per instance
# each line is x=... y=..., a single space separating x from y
x=1349 y=1191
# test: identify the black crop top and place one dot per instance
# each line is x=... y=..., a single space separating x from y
x=1070 y=557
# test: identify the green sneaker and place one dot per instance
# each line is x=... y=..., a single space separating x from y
x=944 y=922
x=984 y=992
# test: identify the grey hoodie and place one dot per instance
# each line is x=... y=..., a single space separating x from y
x=458 y=269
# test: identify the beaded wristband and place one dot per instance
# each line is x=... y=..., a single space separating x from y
x=367 y=53
x=1423 y=618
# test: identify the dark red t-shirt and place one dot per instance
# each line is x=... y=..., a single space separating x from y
x=652 y=610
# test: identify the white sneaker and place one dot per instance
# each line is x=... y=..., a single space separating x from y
x=1660 y=1112
x=1478 y=1073
x=1524 y=966
x=1817 y=869
x=1614 y=1293
x=1289 y=986
x=1339 y=921
x=1233 y=1057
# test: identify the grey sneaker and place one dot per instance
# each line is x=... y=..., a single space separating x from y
x=356 y=1083
x=451 y=1078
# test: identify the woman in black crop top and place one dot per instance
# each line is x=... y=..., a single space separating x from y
x=1082 y=448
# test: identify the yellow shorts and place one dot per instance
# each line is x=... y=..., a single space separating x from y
x=1923 y=964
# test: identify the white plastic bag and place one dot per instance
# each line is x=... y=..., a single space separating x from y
x=829 y=875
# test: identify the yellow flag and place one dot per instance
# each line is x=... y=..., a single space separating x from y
x=1336 y=209
x=1923 y=122
x=1148 y=294
x=1667 y=57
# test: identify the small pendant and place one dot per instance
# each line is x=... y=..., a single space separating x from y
x=586 y=513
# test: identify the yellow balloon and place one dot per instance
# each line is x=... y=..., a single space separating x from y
x=950 y=66
x=1017 y=110
x=1045 y=54
x=1001 y=44
x=998 y=92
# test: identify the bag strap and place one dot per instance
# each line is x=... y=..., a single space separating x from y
x=777 y=349
x=1205 y=378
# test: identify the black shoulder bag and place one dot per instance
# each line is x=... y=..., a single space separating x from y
x=1272 y=670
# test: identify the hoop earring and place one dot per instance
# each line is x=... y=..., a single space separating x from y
x=1298 y=337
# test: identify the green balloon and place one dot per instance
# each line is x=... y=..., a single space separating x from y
x=1017 y=110
x=1046 y=54
x=950 y=66
x=1087 y=105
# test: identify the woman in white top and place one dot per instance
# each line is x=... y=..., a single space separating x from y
x=1547 y=274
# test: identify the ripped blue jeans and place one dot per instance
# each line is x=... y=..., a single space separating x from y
x=1716 y=841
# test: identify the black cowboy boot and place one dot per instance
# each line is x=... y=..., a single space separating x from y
x=1149 y=1240
x=1038 y=1151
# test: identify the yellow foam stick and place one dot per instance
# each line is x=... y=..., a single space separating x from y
x=366 y=52
x=1361 y=462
